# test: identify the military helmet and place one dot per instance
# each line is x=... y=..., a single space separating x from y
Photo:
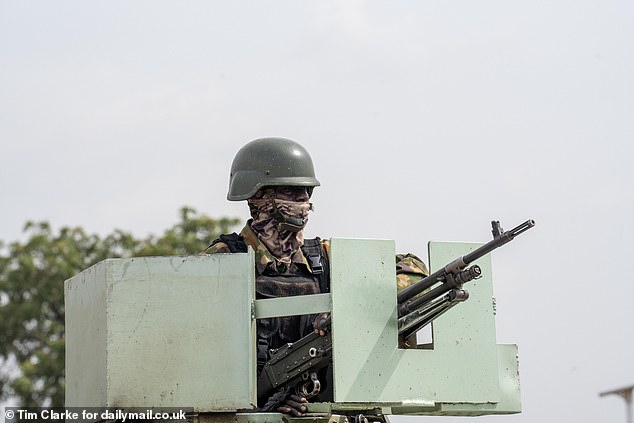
x=269 y=162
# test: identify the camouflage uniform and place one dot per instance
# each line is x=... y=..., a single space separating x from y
x=263 y=258
x=409 y=269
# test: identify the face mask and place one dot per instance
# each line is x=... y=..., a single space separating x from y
x=288 y=206
x=278 y=222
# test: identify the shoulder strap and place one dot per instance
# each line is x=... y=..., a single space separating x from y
x=318 y=262
x=234 y=241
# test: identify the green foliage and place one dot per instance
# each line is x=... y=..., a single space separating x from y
x=32 y=276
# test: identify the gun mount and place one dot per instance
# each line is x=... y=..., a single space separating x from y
x=180 y=332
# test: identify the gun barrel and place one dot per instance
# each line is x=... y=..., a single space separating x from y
x=455 y=268
x=418 y=287
x=451 y=282
x=414 y=321
x=497 y=242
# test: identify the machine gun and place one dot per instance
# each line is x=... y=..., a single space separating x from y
x=414 y=313
x=294 y=367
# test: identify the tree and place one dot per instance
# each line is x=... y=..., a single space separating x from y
x=32 y=276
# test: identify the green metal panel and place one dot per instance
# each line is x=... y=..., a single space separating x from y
x=292 y=306
x=178 y=333
x=85 y=296
x=364 y=298
x=368 y=365
x=508 y=371
x=466 y=334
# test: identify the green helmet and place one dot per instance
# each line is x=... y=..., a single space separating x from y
x=269 y=162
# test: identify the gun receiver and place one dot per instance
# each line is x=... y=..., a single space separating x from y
x=414 y=313
x=295 y=366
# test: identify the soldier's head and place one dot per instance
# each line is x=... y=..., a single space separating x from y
x=277 y=177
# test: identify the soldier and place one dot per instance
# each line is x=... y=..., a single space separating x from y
x=276 y=176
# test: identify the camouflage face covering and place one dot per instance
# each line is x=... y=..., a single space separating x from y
x=280 y=241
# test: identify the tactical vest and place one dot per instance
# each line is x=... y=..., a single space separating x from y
x=276 y=332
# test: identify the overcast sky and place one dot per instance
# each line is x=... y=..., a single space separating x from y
x=425 y=120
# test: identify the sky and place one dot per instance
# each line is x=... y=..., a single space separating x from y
x=425 y=121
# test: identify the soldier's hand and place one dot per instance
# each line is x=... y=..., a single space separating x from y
x=321 y=323
x=294 y=406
